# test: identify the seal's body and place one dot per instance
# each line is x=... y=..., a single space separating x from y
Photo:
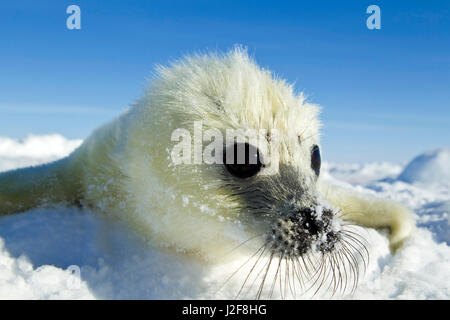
x=124 y=169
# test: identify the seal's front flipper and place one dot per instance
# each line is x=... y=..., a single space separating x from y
x=372 y=212
x=27 y=188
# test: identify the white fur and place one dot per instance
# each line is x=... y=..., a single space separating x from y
x=124 y=168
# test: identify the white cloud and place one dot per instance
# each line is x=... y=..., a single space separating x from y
x=34 y=150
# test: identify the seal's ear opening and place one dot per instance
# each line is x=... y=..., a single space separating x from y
x=316 y=160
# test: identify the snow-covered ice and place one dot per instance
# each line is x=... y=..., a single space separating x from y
x=42 y=250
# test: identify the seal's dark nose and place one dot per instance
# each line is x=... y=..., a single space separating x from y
x=308 y=220
x=304 y=229
x=314 y=224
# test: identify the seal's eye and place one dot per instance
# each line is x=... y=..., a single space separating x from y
x=242 y=160
x=315 y=159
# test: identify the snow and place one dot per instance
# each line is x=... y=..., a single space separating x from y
x=68 y=253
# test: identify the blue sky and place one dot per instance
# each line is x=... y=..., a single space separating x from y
x=385 y=93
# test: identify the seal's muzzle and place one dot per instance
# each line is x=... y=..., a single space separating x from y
x=305 y=230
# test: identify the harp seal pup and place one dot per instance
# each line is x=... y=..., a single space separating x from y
x=125 y=169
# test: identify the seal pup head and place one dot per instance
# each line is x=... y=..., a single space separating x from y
x=208 y=208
